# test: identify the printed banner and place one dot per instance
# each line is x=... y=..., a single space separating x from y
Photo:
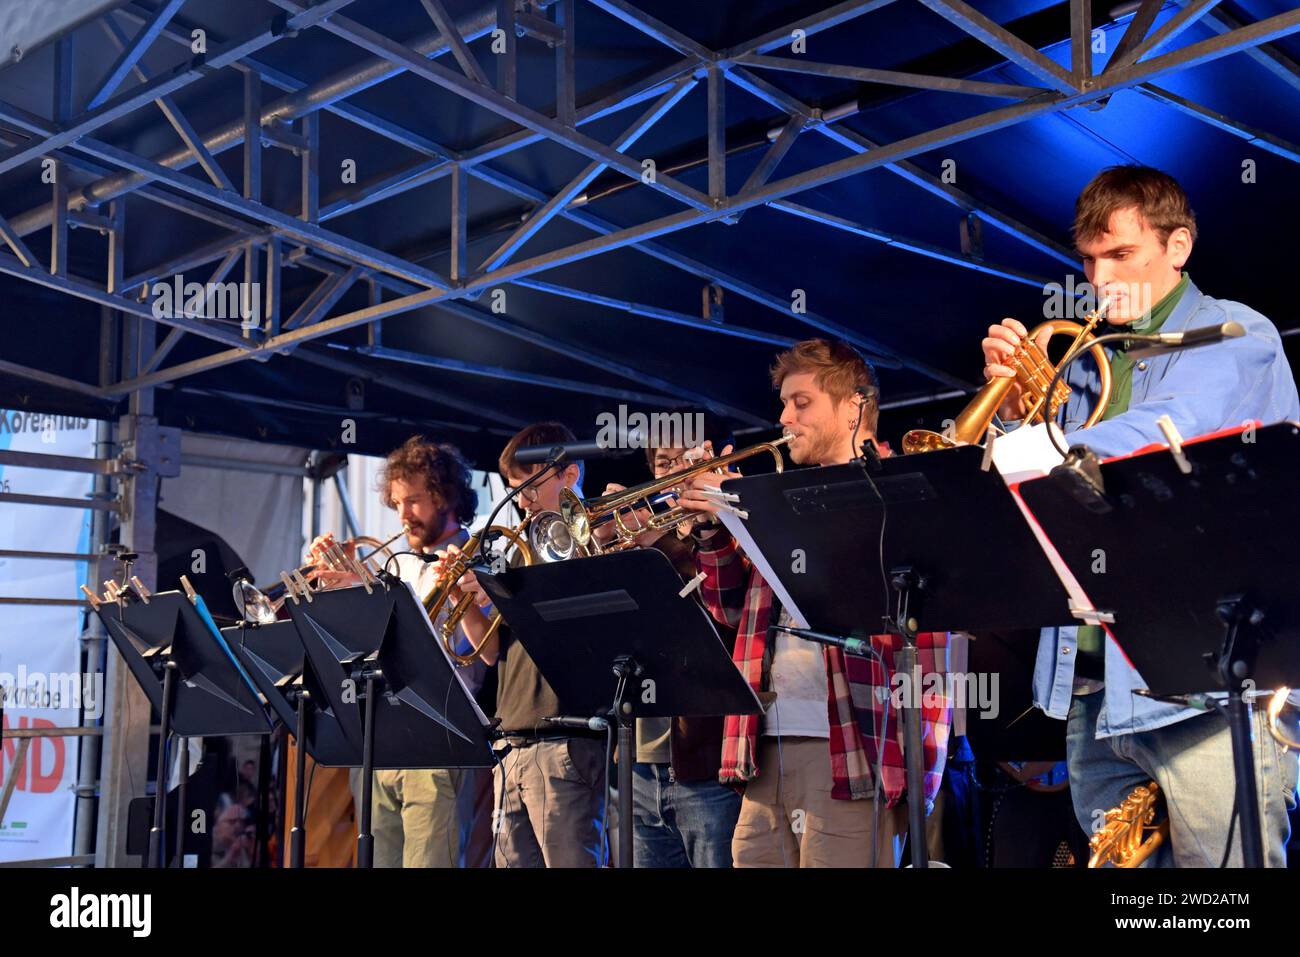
x=41 y=678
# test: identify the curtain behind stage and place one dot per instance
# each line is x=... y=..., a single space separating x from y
x=258 y=514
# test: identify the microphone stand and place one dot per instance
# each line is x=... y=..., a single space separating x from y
x=1235 y=661
x=555 y=458
x=905 y=581
x=1154 y=342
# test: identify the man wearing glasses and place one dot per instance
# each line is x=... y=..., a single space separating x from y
x=550 y=785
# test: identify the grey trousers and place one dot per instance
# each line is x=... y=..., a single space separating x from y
x=549 y=801
x=1191 y=761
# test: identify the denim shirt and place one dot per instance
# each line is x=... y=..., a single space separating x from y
x=1202 y=390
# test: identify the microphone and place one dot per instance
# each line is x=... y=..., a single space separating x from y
x=1195 y=337
x=858 y=647
x=1204 y=336
x=588 y=449
x=584 y=724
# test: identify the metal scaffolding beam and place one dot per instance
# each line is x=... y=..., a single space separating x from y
x=1170 y=29
x=993 y=35
x=915 y=81
x=132 y=51
x=485 y=96
x=1252 y=135
x=548 y=210
x=1266 y=55
x=127 y=103
x=533 y=379
x=359 y=259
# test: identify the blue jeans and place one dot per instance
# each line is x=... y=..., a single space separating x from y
x=681 y=824
x=1191 y=761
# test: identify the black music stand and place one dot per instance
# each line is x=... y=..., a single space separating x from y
x=272 y=654
x=623 y=612
x=191 y=677
x=389 y=683
x=902 y=545
x=1196 y=576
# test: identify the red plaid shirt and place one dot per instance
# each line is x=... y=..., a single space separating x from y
x=858 y=702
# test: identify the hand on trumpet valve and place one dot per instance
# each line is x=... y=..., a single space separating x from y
x=324 y=554
x=446 y=566
x=632 y=518
x=1000 y=345
x=469 y=585
x=694 y=493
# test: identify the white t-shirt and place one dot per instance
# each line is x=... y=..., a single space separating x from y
x=420 y=576
x=799 y=680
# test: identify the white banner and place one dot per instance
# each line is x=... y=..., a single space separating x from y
x=40 y=655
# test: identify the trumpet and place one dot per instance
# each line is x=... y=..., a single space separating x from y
x=656 y=496
x=334 y=555
x=540 y=537
x=261 y=605
x=1034 y=372
x=1131 y=832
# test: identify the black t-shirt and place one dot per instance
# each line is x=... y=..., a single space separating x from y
x=523 y=696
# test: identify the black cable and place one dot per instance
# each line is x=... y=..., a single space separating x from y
x=553 y=461
x=422 y=556
x=1221 y=708
x=867 y=393
x=1232 y=829
x=1073 y=354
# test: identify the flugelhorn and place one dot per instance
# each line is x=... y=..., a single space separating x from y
x=582 y=516
x=540 y=537
x=1034 y=371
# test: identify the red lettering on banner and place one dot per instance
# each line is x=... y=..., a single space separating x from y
x=40 y=783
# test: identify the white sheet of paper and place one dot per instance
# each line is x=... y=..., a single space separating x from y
x=736 y=525
x=1026 y=453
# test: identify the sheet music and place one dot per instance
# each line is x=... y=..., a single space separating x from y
x=736 y=525
x=1026 y=453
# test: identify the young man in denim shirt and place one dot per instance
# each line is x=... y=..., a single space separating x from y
x=1135 y=230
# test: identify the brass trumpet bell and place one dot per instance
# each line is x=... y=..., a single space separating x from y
x=1284 y=718
x=654 y=497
